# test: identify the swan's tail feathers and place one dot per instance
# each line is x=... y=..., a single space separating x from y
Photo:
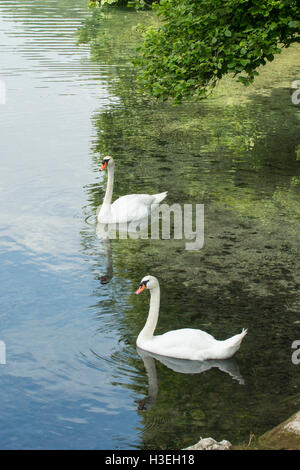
x=233 y=343
x=242 y=334
x=160 y=197
x=239 y=338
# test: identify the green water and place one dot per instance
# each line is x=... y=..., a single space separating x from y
x=238 y=153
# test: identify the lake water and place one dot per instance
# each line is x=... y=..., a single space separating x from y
x=73 y=378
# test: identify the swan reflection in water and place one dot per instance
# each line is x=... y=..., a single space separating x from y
x=103 y=232
x=108 y=232
x=107 y=277
x=183 y=366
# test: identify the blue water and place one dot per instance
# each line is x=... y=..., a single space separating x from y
x=73 y=378
x=52 y=310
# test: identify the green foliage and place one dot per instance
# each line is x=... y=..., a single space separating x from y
x=199 y=42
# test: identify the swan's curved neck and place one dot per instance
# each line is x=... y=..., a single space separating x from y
x=110 y=185
x=150 y=325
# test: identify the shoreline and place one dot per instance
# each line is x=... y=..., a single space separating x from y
x=285 y=436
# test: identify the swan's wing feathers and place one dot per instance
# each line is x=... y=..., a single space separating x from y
x=186 y=338
x=133 y=207
x=160 y=197
x=193 y=344
x=140 y=199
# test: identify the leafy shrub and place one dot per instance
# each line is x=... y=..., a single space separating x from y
x=199 y=41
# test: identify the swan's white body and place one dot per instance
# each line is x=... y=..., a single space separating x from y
x=186 y=343
x=132 y=207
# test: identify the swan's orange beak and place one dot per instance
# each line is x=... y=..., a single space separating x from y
x=103 y=166
x=140 y=289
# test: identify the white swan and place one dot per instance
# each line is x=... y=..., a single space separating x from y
x=186 y=343
x=133 y=207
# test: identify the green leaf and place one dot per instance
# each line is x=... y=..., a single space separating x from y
x=294 y=24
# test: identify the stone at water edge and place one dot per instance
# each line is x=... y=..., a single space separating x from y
x=209 y=443
x=294 y=424
x=285 y=436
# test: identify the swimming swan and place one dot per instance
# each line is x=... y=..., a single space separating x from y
x=132 y=207
x=185 y=343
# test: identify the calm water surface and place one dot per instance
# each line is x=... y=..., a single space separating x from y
x=73 y=377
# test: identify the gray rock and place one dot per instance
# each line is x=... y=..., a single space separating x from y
x=294 y=425
x=209 y=443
